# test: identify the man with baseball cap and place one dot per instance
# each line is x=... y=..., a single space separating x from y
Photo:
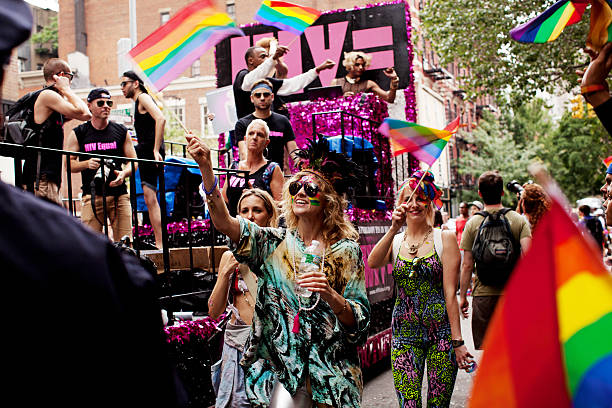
x=281 y=132
x=103 y=137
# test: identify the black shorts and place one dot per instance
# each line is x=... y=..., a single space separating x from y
x=149 y=173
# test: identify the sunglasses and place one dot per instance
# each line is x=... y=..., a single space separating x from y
x=260 y=94
x=311 y=189
x=124 y=83
x=68 y=75
x=101 y=103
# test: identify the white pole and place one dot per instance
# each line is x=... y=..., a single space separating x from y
x=133 y=32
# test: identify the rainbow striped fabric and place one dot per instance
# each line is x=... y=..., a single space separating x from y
x=287 y=16
x=173 y=47
x=548 y=26
x=426 y=144
x=549 y=343
x=607 y=161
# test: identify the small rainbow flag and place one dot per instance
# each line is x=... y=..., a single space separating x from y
x=287 y=16
x=551 y=347
x=173 y=47
x=548 y=26
x=607 y=161
x=426 y=144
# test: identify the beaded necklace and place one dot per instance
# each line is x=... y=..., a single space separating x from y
x=296 y=319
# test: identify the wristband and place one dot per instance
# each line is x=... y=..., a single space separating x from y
x=587 y=89
x=344 y=307
x=457 y=343
x=211 y=189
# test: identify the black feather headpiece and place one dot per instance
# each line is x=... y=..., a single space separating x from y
x=337 y=169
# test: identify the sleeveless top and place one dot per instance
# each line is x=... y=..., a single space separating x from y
x=52 y=137
x=237 y=184
x=144 y=125
x=358 y=87
x=419 y=314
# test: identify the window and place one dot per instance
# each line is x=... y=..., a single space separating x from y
x=164 y=17
x=206 y=124
x=177 y=106
x=195 y=68
x=230 y=8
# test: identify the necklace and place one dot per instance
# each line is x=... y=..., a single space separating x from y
x=413 y=249
x=350 y=80
x=296 y=319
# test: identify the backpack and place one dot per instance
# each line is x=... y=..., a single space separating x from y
x=495 y=249
x=21 y=130
x=595 y=228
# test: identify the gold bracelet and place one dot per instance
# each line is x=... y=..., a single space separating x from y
x=344 y=307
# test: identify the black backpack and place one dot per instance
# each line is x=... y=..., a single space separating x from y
x=594 y=226
x=21 y=130
x=495 y=249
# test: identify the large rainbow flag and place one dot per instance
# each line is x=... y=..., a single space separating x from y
x=548 y=26
x=549 y=343
x=426 y=144
x=287 y=16
x=173 y=47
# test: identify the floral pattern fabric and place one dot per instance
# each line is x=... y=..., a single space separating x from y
x=421 y=333
x=323 y=349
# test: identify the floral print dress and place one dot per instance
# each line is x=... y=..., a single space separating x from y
x=323 y=349
x=421 y=333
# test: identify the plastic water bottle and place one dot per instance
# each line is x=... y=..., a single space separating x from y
x=311 y=262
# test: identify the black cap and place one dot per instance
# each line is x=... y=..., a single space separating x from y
x=98 y=93
x=15 y=26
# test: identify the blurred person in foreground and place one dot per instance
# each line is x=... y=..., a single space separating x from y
x=594 y=85
x=88 y=330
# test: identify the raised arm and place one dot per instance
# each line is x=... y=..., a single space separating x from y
x=217 y=302
x=381 y=253
x=66 y=102
x=218 y=211
x=298 y=82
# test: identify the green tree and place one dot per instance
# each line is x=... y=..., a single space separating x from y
x=574 y=154
x=46 y=39
x=529 y=122
x=476 y=35
x=494 y=148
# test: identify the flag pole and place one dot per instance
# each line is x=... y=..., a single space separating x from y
x=422 y=177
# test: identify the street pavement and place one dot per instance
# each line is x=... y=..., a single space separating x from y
x=379 y=391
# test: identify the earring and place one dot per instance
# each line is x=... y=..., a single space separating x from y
x=266 y=152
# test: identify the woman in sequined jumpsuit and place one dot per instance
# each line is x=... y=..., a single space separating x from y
x=425 y=321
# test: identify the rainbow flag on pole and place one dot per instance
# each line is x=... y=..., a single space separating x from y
x=548 y=26
x=426 y=144
x=173 y=47
x=287 y=16
x=549 y=343
x=607 y=161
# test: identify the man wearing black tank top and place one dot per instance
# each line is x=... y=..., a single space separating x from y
x=56 y=104
x=104 y=137
x=149 y=123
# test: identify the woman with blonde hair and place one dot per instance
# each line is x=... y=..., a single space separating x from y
x=356 y=63
x=309 y=338
x=262 y=173
x=237 y=282
x=425 y=321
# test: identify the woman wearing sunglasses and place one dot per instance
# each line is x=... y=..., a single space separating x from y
x=425 y=323
x=264 y=174
x=310 y=341
x=235 y=290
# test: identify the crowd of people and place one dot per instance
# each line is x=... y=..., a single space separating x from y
x=297 y=316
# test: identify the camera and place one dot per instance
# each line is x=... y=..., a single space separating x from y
x=515 y=187
x=109 y=171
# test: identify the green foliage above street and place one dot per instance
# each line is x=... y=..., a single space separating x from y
x=475 y=33
x=572 y=150
x=46 y=39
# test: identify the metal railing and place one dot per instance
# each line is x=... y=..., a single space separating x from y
x=22 y=151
